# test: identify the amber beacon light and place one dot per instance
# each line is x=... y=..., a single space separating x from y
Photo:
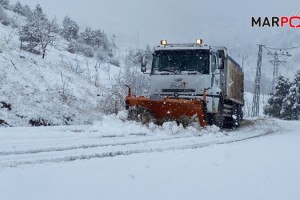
x=163 y=42
x=199 y=41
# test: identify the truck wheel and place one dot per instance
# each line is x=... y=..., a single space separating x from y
x=241 y=113
x=218 y=118
x=236 y=116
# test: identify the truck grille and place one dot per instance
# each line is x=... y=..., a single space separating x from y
x=178 y=90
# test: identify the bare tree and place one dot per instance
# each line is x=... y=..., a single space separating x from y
x=8 y=36
x=65 y=91
x=48 y=36
x=39 y=32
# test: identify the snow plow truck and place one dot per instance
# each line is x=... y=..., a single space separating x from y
x=190 y=82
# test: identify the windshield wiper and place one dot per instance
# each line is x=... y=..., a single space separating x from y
x=189 y=70
x=165 y=70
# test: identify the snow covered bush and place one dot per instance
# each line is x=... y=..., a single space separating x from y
x=86 y=50
x=4 y=19
x=113 y=100
x=134 y=57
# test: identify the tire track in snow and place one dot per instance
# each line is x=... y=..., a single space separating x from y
x=235 y=138
x=36 y=151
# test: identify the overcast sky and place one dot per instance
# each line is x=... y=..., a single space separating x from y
x=140 y=22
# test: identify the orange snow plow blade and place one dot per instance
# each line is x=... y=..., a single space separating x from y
x=169 y=108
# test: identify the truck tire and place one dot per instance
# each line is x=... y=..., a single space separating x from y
x=218 y=118
x=236 y=116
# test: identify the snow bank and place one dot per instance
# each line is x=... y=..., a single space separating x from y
x=119 y=125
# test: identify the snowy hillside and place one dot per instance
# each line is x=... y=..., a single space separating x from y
x=63 y=88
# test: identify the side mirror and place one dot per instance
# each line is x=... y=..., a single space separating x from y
x=143 y=64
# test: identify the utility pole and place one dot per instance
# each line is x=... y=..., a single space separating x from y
x=256 y=95
x=243 y=57
x=276 y=62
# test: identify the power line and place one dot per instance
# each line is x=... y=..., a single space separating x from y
x=276 y=62
x=289 y=68
x=243 y=57
x=286 y=48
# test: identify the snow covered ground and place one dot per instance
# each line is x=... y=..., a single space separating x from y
x=116 y=159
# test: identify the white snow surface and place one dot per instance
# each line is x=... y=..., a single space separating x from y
x=117 y=159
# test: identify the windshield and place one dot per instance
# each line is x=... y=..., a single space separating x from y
x=178 y=61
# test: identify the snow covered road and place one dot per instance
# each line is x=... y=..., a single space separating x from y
x=124 y=160
x=64 y=144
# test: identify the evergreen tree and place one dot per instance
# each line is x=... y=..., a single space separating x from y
x=99 y=39
x=5 y=3
x=26 y=11
x=95 y=43
x=87 y=36
x=70 y=29
x=291 y=104
x=273 y=108
x=18 y=8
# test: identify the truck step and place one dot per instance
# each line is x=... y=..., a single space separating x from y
x=227 y=110
x=228 y=106
x=226 y=115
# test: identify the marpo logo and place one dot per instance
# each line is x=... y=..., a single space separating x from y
x=292 y=22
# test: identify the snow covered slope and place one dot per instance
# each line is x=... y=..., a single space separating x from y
x=61 y=89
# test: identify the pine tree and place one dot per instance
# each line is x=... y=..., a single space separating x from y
x=18 y=8
x=26 y=11
x=99 y=38
x=70 y=29
x=273 y=108
x=87 y=36
x=291 y=104
x=5 y=3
